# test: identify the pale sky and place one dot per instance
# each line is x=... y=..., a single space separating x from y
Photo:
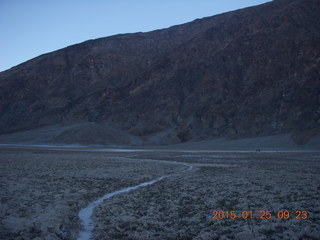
x=29 y=28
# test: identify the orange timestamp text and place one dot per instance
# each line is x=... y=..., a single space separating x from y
x=263 y=215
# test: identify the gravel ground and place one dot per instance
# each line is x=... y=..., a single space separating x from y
x=42 y=192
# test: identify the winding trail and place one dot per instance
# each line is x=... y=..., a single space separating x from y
x=85 y=214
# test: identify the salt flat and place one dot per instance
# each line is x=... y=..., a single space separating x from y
x=43 y=190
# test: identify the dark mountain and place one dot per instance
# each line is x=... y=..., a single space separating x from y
x=246 y=73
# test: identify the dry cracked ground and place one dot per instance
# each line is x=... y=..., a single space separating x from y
x=42 y=191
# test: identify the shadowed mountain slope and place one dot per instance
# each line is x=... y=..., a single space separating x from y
x=247 y=73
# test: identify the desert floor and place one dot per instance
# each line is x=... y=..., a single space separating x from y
x=43 y=190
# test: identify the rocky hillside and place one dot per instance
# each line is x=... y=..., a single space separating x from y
x=251 y=72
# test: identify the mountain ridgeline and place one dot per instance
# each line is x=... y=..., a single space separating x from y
x=247 y=73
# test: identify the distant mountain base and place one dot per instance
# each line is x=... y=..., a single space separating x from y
x=96 y=134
